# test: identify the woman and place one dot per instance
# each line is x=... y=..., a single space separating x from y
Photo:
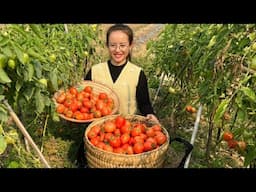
x=125 y=78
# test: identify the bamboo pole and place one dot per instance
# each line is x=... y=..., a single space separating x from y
x=26 y=134
x=194 y=133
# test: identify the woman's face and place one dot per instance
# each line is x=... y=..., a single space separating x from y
x=118 y=47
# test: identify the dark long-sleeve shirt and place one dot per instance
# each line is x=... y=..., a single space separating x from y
x=142 y=94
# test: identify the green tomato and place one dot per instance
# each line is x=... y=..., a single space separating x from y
x=254 y=46
x=86 y=54
x=11 y=64
x=3 y=60
x=43 y=81
x=158 y=71
x=52 y=57
x=212 y=42
x=253 y=63
x=172 y=90
x=252 y=36
x=25 y=58
x=9 y=140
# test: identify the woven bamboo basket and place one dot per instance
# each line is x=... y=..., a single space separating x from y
x=97 y=88
x=98 y=158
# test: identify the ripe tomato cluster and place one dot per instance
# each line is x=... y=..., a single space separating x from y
x=123 y=136
x=84 y=104
x=232 y=142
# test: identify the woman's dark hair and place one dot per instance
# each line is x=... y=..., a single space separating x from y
x=125 y=29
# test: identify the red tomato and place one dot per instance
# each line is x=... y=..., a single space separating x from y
x=100 y=104
x=78 y=115
x=129 y=150
x=136 y=131
x=160 y=139
x=60 y=108
x=88 y=89
x=227 y=136
x=103 y=96
x=106 y=111
x=87 y=104
x=147 y=146
x=117 y=132
x=126 y=128
x=156 y=127
x=150 y=132
x=100 y=145
x=138 y=139
x=73 y=106
x=94 y=140
x=108 y=148
x=232 y=143
x=119 y=150
x=61 y=98
x=67 y=103
x=115 y=141
x=153 y=142
x=241 y=145
x=69 y=113
x=120 y=121
x=80 y=96
x=108 y=136
x=97 y=114
x=140 y=126
x=109 y=126
x=138 y=148
x=91 y=134
x=73 y=91
x=125 y=138
x=96 y=129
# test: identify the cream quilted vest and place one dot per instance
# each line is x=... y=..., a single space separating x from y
x=125 y=85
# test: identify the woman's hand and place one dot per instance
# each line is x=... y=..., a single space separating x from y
x=152 y=118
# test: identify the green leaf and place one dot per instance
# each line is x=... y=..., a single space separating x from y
x=249 y=92
x=1 y=129
x=18 y=85
x=38 y=68
x=1 y=97
x=4 y=41
x=239 y=101
x=8 y=52
x=36 y=29
x=40 y=104
x=53 y=79
x=30 y=70
x=3 y=144
x=221 y=109
x=28 y=93
x=13 y=164
x=3 y=114
x=19 y=52
x=4 y=78
x=250 y=156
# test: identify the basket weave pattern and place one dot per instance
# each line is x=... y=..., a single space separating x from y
x=96 y=88
x=98 y=158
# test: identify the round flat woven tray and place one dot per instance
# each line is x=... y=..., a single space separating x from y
x=98 y=158
x=96 y=88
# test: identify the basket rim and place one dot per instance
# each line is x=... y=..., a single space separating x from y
x=86 y=140
x=83 y=83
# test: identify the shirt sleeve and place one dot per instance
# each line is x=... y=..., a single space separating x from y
x=142 y=95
